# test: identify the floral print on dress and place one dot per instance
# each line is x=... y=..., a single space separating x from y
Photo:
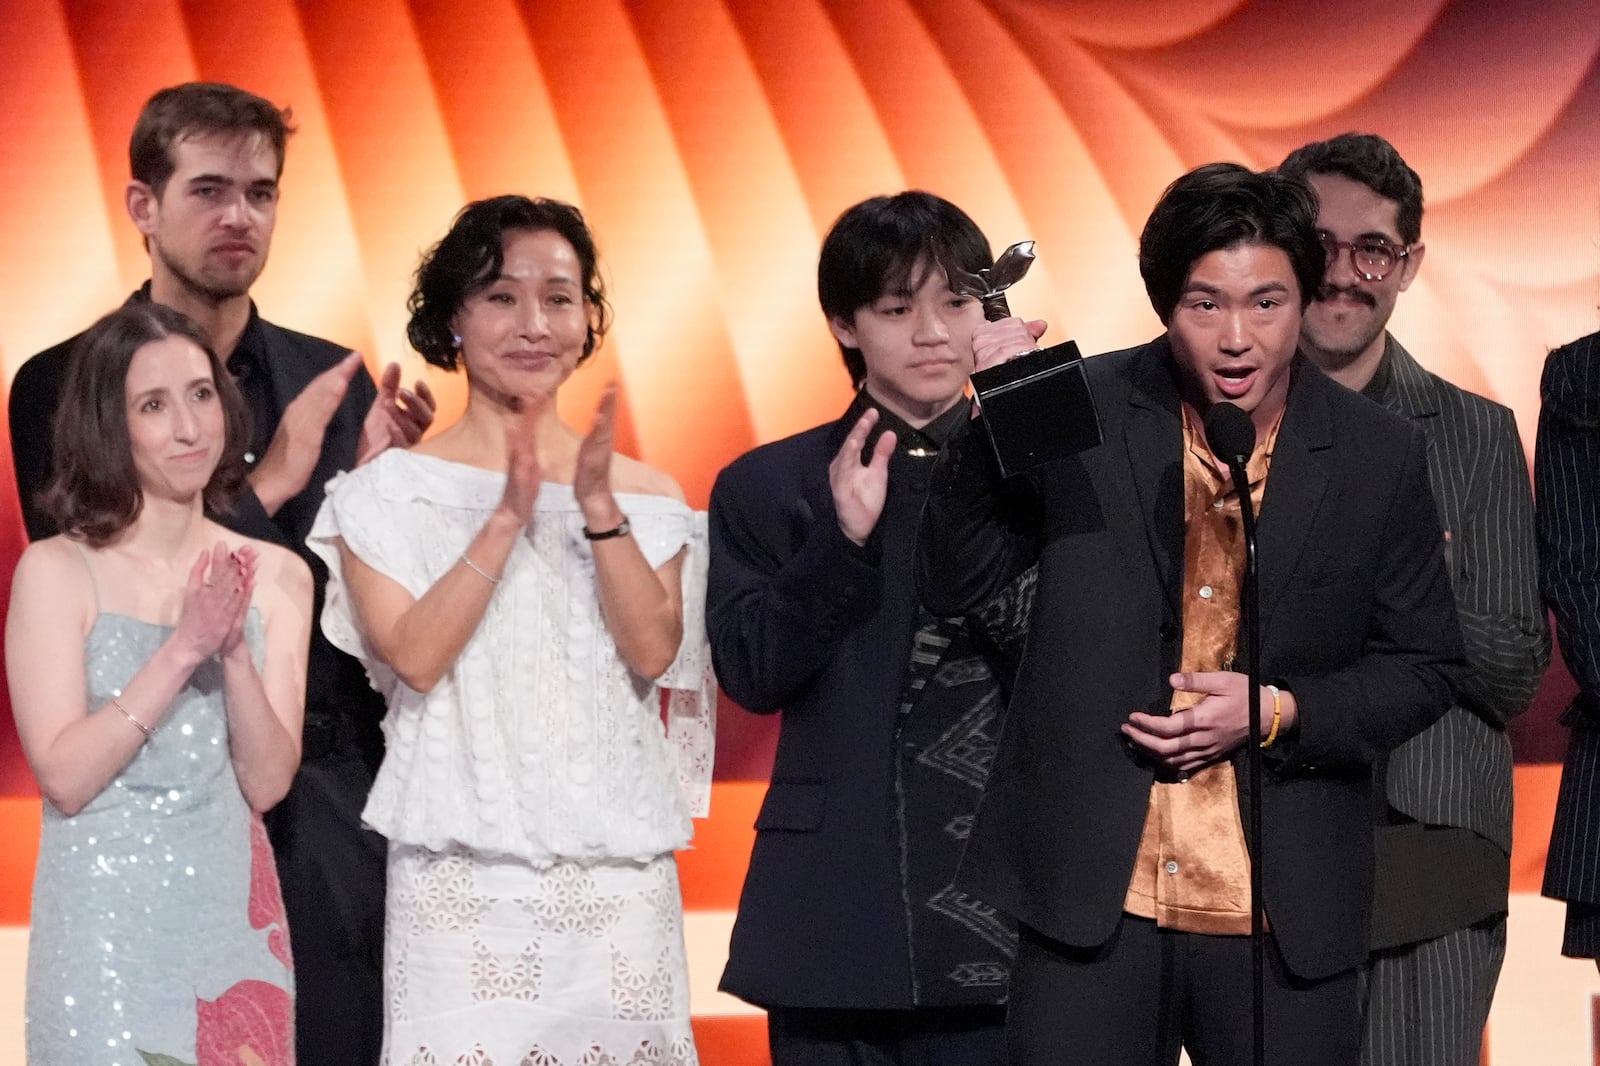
x=266 y=902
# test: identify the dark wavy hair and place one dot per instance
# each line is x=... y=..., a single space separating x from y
x=198 y=108
x=470 y=257
x=94 y=494
x=1372 y=161
x=1223 y=205
x=873 y=247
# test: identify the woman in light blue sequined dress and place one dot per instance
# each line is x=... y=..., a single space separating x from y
x=157 y=669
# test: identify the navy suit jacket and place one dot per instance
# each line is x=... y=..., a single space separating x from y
x=1357 y=621
x=803 y=621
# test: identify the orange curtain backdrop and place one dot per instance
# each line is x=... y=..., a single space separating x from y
x=711 y=144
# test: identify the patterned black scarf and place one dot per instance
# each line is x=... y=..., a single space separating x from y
x=949 y=725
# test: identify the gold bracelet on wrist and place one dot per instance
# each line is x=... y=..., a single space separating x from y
x=140 y=726
x=1277 y=716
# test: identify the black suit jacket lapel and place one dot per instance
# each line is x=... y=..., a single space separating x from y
x=1296 y=482
x=1153 y=438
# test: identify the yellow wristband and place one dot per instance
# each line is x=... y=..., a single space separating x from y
x=1277 y=716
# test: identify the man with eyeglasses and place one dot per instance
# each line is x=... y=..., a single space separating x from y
x=1443 y=805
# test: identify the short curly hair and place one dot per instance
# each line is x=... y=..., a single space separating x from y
x=1372 y=161
x=471 y=256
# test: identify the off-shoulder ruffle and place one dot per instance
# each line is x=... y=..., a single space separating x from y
x=538 y=742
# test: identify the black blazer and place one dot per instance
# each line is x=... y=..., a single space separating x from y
x=803 y=621
x=1358 y=622
x=1566 y=474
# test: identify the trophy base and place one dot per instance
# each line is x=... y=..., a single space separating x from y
x=1037 y=408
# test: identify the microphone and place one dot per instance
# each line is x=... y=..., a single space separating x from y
x=1231 y=436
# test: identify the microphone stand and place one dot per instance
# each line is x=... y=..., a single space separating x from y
x=1250 y=606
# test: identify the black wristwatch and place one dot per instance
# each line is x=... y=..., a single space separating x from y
x=606 y=534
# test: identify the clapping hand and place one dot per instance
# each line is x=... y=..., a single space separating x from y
x=398 y=417
x=591 y=480
x=859 y=490
x=296 y=445
x=523 y=473
x=216 y=599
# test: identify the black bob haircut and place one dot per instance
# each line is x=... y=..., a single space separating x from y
x=875 y=247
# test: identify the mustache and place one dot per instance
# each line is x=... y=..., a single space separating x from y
x=1330 y=291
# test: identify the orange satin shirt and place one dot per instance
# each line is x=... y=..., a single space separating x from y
x=1192 y=872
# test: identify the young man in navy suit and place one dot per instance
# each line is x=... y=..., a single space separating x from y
x=850 y=931
x=1111 y=827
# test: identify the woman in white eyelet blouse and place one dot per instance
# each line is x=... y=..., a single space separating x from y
x=522 y=595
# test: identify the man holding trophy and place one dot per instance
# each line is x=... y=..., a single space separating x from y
x=1112 y=825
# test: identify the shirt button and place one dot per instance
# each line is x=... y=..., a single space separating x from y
x=1205 y=592
x=1172 y=866
x=1217 y=506
x=249 y=457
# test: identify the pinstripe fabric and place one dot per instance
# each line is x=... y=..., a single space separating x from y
x=1458 y=771
x=1567 y=468
x=1426 y=1004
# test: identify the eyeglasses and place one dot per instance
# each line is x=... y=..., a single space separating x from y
x=1372 y=259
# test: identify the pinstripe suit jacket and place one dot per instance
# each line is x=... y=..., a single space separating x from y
x=1457 y=772
x=1567 y=472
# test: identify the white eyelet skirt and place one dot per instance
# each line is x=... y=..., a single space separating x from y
x=489 y=961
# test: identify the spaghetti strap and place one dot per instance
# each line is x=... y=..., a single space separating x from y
x=88 y=565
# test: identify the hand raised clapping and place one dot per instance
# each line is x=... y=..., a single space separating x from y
x=398 y=416
x=523 y=473
x=859 y=491
x=216 y=599
x=591 y=480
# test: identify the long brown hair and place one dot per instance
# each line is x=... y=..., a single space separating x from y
x=94 y=493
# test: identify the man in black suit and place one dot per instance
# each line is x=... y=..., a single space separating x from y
x=1566 y=465
x=850 y=931
x=205 y=161
x=1111 y=825
x=1444 y=813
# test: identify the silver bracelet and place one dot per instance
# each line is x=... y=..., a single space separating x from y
x=140 y=726
x=480 y=571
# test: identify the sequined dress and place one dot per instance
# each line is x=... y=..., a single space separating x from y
x=157 y=927
x=533 y=797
